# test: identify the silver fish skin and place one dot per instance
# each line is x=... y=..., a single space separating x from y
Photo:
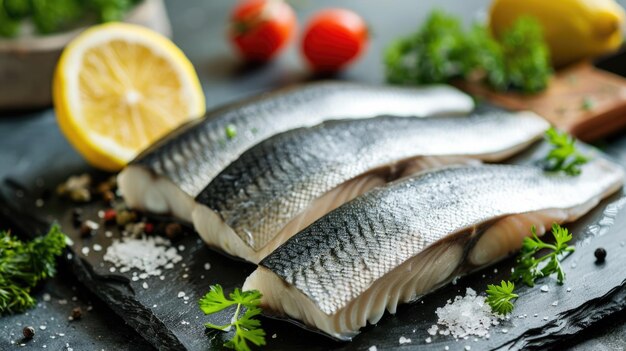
x=402 y=240
x=285 y=183
x=179 y=166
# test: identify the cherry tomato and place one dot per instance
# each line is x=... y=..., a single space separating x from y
x=260 y=29
x=333 y=38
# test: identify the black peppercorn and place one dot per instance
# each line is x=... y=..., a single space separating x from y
x=28 y=332
x=77 y=313
x=600 y=254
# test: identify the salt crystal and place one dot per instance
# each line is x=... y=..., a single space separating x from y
x=504 y=331
x=63 y=302
x=404 y=340
x=108 y=234
x=154 y=306
x=467 y=347
x=446 y=347
x=432 y=330
x=146 y=254
x=555 y=303
x=185 y=276
x=428 y=340
x=100 y=214
x=181 y=294
x=85 y=250
x=466 y=315
x=42 y=327
x=207 y=266
x=372 y=348
x=144 y=285
x=545 y=288
x=535 y=315
x=134 y=278
x=569 y=289
x=112 y=269
x=143 y=275
x=181 y=247
x=46 y=297
x=495 y=270
x=39 y=202
x=545 y=318
x=185 y=298
x=274 y=336
x=97 y=247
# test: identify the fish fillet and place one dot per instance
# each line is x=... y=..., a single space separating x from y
x=285 y=183
x=402 y=240
x=166 y=178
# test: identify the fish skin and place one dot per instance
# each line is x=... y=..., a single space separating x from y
x=195 y=153
x=338 y=257
x=271 y=183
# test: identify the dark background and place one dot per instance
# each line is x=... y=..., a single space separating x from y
x=199 y=30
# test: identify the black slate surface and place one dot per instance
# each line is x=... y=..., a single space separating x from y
x=167 y=322
x=31 y=146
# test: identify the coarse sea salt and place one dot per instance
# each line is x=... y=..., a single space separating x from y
x=146 y=254
x=466 y=315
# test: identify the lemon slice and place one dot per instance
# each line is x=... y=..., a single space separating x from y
x=118 y=88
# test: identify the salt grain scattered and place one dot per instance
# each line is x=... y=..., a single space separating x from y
x=569 y=289
x=466 y=315
x=42 y=327
x=467 y=347
x=207 y=266
x=404 y=340
x=147 y=254
x=428 y=340
x=504 y=331
x=181 y=294
x=108 y=234
x=85 y=250
x=97 y=247
x=274 y=337
x=144 y=285
x=46 y=297
x=555 y=303
x=545 y=318
x=372 y=348
x=446 y=347
x=432 y=330
x=63 y=302
x=545 y=288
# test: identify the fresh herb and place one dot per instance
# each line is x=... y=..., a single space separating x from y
x=564 y=157
x=528 y=267
x=23 y=265
x=499 y=297
x=231 y=131
x=442 y=50
x=51 y=16
x=247 y=328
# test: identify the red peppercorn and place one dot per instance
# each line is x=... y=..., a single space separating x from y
x=148 y=228
x=109 y=215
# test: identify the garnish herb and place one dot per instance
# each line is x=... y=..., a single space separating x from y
x=587 y=104
x=499 y=297
x=528 y=270
x=564 y=157
x=442 y=50
x=246 y=327
x=23 y=265
x=231 y=131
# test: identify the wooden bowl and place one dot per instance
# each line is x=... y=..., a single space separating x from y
x=27 y=63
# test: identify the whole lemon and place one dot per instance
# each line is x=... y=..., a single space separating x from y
x=573 y=29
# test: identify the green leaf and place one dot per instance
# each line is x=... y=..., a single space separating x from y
x=246 y=327
x=563 y=157
x=499 y=297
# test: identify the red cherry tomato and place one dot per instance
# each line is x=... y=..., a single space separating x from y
x=333 y=38
x=259 y=29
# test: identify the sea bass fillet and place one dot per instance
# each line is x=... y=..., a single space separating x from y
x=403 y=240
x=166 y=178
x=283 y=184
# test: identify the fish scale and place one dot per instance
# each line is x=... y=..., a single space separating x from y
x=193 y=155
x=402 y=219
x=270 y=184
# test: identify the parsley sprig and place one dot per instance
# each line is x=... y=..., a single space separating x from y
x=563 y=157
x=246 y=327
x=499 y=297
x=24 y=264
x=528 y=270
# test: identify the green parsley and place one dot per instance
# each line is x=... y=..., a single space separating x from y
x=528 y=267
x=231 y=131
x=23 y=265
x=563 y=157
x=441 y=50
x=247 y=328
x=499 y=297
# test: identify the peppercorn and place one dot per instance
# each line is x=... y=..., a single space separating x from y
x=600 y=254
x=28 y=332
x=173 y=230
x=110 y=215
x=77 y=313
x=108 y=196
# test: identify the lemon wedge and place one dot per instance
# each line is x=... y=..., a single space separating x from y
x=118 y=88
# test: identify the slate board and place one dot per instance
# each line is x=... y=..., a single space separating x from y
x=597 y=291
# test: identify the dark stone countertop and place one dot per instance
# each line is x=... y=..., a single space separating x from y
x=199 y=30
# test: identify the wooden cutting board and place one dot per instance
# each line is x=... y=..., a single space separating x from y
x=584 y=100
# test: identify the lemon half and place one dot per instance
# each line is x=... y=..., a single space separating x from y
x=120 y=87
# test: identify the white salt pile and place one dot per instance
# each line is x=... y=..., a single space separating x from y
x=147 y=254
x=466 y=315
